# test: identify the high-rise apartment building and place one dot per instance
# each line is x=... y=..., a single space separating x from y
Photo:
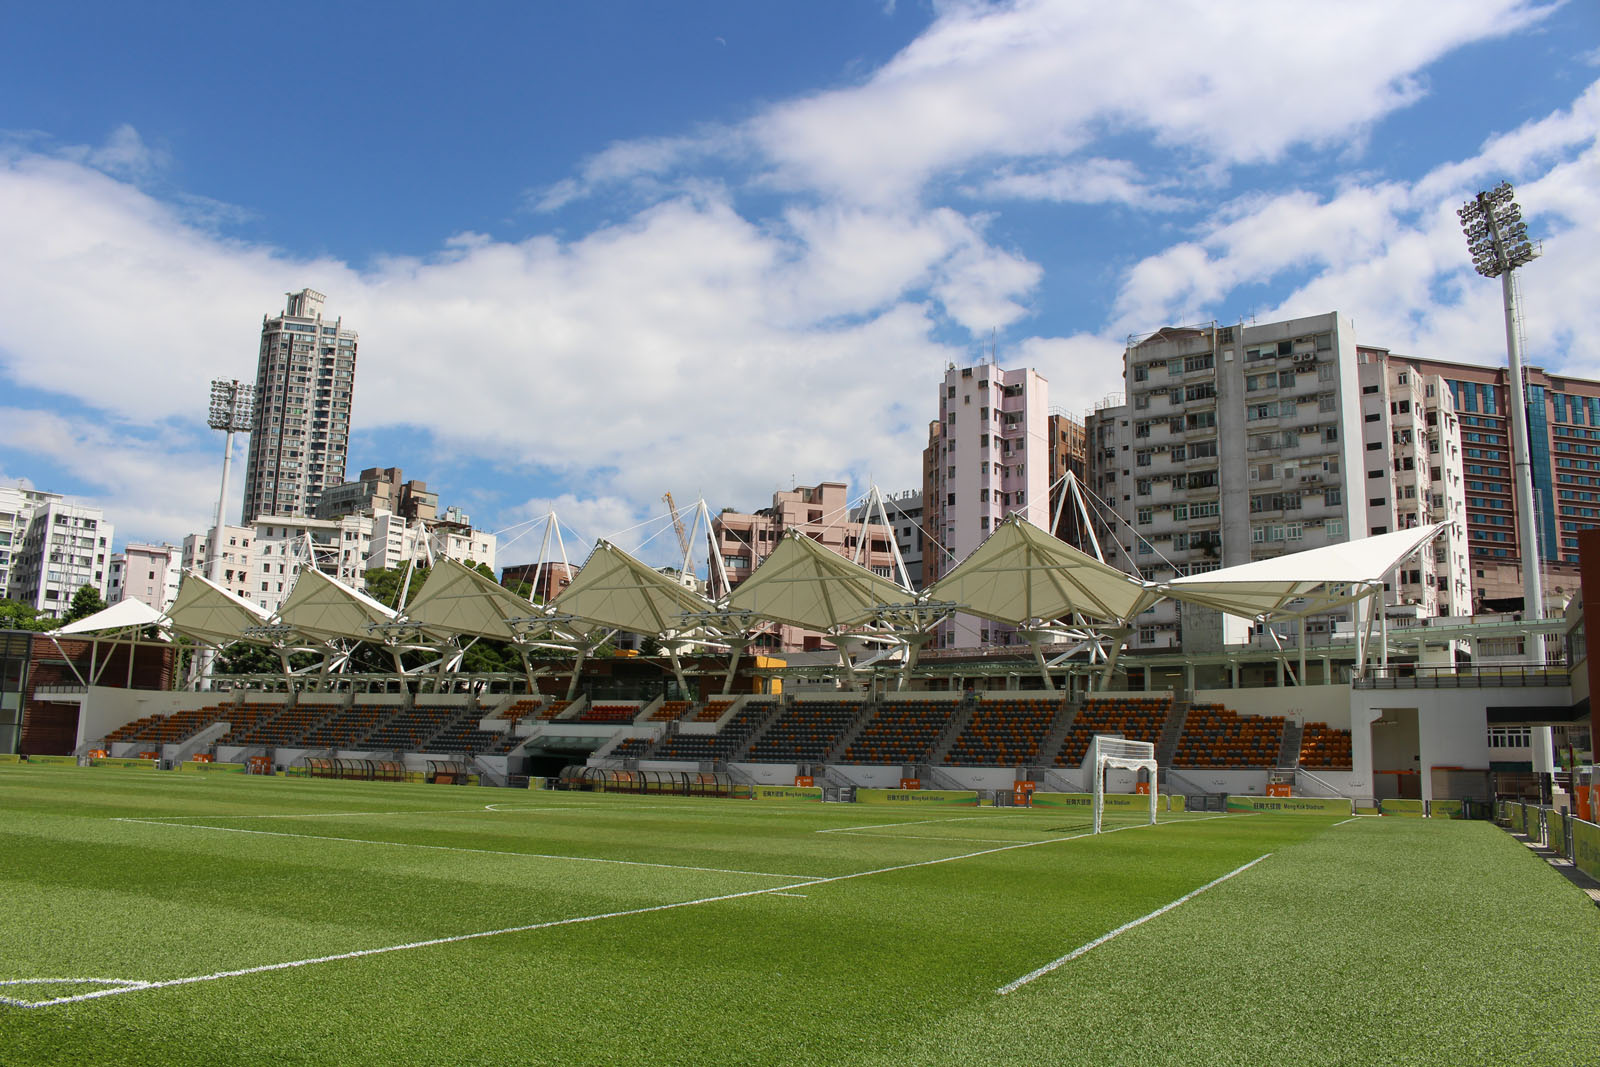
x=1238 y=443
x=15 y=507
x=988 y=456
x=63 y=547
x=821 y=512
x=1563 y=420
x=305 y=375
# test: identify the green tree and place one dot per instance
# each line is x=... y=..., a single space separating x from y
x=15 y=615
x=85 y=602
x=384 y=584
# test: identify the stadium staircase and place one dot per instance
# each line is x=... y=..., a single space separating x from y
x=779 y=709
x=172 y=755
x=1289 y=751
x=1172 y=732
x=869 y=711
x=960 y=715
x=1056 y=736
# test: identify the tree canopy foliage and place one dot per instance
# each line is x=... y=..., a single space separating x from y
x=85 y=602
x=15 y=615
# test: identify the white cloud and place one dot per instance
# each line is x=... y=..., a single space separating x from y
x=683 y=341
x=1084 y=371
x=1040 y=79
x=152 y=485
x=1089 y=181
x=1392 y=255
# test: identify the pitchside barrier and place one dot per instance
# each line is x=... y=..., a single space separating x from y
x=1293 y=805
x=919 y=797
x=1414 y=808
x=787 y=792
x=211 y=767
x=1139 y=802
x=1561 y=832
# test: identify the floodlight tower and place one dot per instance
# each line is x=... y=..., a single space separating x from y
x=233 y=405
x=1498 y=241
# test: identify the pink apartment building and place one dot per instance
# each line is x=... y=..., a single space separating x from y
x=821 y=512
x=988 y=456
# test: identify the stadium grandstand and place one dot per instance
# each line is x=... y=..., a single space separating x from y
x=1376 y=707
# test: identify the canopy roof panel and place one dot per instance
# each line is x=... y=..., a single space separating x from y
x=1021 y=573
x=325 y=609
x=618 y=592
x=1303 y=583
x=129 y=614
x=804 y=584
x=211 y=614
x=457 y=599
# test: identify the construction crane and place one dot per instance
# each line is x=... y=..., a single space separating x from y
x=677 y=524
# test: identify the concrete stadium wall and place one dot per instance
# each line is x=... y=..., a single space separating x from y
x=104 y=709
x=1212 y=780
x=1312 y=703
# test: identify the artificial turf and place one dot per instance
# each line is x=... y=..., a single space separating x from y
x=739 y=932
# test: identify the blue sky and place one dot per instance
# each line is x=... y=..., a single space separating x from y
x=603 y=250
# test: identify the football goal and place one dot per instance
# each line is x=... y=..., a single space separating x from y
x=1111 y=754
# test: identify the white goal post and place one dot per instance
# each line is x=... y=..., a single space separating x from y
x=1107 y=753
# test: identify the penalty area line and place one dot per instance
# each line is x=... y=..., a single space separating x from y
x=1012 y=987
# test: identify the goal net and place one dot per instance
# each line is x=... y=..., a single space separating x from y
x=1109 y=754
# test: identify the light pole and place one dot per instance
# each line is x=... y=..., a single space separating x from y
x=233 y=406
x=1498 y=241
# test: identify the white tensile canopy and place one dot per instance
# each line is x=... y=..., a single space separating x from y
x=806 y=585
x=456 y=599
x=212 y=615
x=618 y=592
x=129 y=614
x=325 y=609
x=1304 y=583
x=1022 y=575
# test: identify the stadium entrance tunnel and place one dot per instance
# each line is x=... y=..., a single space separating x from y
x=545 y=757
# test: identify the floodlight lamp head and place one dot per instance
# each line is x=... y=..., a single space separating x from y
x=232 y=405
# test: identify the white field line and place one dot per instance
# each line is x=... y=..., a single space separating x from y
x=135 y=986
x=926 y=837
x=454 y=848
x=909 y=822
x=1353 y=818
x=1012 y=987
x=329 y=814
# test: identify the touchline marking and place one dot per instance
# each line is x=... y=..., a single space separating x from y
x=455 y=848
x=1125 y=927
x=1353 y=818
x=127 y=985
x=357 y=954
x=327 y=814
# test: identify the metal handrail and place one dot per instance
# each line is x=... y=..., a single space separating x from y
x=1417 y=676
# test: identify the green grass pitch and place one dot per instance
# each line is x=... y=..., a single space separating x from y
x=264 y=920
